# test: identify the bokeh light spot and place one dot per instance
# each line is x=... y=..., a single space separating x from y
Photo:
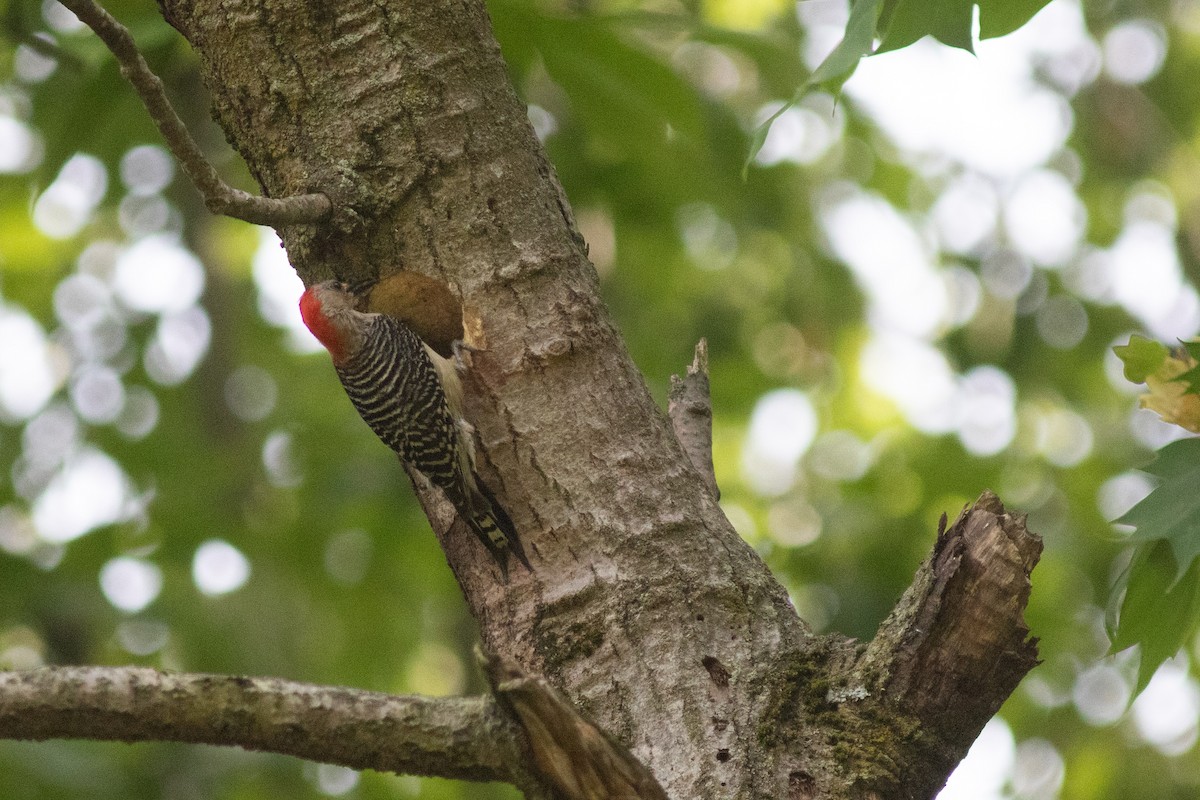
x=1063 y=437
x=1101 y=694
x=840 y=456
x=1062 y=322
x=1134 y=51
x=147 y=169
x=794 y=523
x=97 y=394
x=987 y=112
x=28 y=378
x=81 y=301
x=68 y=202
x=141 y=216
x=89 y=491
x=130 y=584
x=335 y=781
x=1038 y=770
x=279 y=290
x=543 y=122
x=891 y=365
x=219 y=568
x=32 y=66
x=800 y=135
x=966 y=213
x=20 y=148
x=1044 y=217
x=710 y=240
x=140 y=413
x=1122 y=492
x=890 y=261
x=1005 y=273
x=279 y=460
x=180 y=341
x=158 y=275
x=986 y=410
x=1167 y=710
x=60 y=18
x=251 y=392
x=143 y=637
x=348 y=556
x=782 y=427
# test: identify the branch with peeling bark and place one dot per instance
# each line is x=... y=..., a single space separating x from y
x=569 y=752
x=219 y=197
x=956 y=645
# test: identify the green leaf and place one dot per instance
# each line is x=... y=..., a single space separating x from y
x=1159 y=612
x=840 y=64
x=832 y=73
x=949 y=21
x=1161 y=607
x=1192 y=379
x=1171 y=512
x=1142 y=357
x=759 y=137
x=1001 y=17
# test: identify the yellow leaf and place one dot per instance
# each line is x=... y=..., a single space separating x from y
x=1168 y=397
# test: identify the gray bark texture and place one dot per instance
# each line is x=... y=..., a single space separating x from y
x=644 y=607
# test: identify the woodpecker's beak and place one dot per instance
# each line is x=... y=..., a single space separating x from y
x=362 y=288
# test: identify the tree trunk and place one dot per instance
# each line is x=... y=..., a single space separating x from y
x=644 y=607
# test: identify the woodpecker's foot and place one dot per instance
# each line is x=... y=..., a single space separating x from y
x=467 y=431
x=462 y=351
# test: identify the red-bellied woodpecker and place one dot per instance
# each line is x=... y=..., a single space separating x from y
x=412 y=399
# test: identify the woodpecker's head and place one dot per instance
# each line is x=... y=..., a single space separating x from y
x=328 y=309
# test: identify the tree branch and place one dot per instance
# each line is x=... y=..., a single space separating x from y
x=219 y=197
x=468 y=738
x=956 y=645
x=689 y=406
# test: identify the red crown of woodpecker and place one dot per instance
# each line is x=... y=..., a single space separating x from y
x=327 y=323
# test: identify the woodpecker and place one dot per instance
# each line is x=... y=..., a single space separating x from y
x=411 y=398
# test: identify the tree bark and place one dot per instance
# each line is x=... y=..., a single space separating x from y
x=644 y=606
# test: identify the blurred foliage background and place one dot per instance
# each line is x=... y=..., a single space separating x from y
x=911 y=298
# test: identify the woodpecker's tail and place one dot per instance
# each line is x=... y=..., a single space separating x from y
x=491 y=523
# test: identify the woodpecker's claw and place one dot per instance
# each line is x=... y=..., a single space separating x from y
x=459 y=347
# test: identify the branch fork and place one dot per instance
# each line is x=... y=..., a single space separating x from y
x=219 y=197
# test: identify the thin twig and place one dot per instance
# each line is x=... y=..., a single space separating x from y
x=466 y=738
x=219 y=197
x=690 y=408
